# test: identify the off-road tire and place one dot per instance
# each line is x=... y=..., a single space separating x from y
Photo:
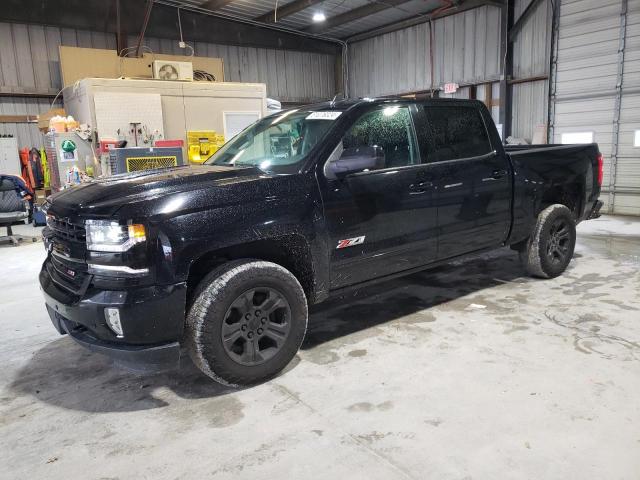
x=212 y=300
x=535 y=256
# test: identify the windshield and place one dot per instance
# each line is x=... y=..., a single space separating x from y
x=277 y=143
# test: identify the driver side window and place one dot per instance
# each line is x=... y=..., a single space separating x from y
x=390 y=129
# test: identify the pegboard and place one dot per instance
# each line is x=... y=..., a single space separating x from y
x=116 y=111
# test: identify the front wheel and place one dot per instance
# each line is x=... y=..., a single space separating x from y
x=247 y=322
x=550 y=248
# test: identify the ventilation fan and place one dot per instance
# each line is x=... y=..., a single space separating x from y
x=169 y=70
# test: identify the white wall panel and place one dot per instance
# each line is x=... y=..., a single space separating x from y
x=531 y=50
x=532 y=44
x=530 y=102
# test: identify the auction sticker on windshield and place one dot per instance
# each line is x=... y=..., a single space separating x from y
x=323 y=115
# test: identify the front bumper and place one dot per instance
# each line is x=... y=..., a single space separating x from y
x=137 y=358
x=152 y=318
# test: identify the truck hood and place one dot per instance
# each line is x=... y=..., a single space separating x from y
x=105 y=197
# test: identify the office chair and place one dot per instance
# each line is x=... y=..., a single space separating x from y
x=13 y=209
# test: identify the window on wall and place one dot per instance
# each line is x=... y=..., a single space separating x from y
x=576 y=137
x=636 y=138
x=391 y=129
x=455 y=132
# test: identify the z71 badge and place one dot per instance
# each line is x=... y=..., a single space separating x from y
x=350 y=242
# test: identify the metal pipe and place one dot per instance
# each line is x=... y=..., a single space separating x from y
x=431 y=63
x=553 y=69
x=536 y=78
x=615 y=137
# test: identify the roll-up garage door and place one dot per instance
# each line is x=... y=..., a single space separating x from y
x=595 y=91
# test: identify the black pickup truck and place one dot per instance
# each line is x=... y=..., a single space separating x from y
x=224 y=258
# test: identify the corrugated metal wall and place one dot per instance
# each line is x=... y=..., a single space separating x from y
x=597 y=89
x=27 y=134
x=29 y=64
x=466 y=51
x=531 y=51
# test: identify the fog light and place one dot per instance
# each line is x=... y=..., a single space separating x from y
x=112 y=315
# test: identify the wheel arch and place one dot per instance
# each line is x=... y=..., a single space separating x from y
x=292 y=252
x=570 y=195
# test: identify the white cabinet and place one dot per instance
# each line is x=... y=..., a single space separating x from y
x=185 y=106
x=9 y=157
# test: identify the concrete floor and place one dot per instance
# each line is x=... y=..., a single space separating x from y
x=469 y=371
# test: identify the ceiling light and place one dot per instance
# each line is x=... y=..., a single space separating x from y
x=319 y=17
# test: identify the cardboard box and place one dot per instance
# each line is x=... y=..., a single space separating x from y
x=78 y=63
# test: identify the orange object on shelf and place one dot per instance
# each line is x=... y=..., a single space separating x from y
x=27 y=173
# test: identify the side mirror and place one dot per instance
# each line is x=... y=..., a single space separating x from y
x=357 y=159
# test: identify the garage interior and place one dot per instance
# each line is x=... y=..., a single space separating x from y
x=468 y=370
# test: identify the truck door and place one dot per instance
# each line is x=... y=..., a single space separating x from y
x=381 y=219
x=472 y=178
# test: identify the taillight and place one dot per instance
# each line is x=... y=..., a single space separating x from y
x=600 y=169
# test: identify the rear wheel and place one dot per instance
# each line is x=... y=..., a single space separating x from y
x=247 y=322
x=550 y=248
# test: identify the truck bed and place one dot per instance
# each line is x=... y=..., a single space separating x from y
x=570 y=169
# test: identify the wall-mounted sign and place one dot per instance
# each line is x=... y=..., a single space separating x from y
x=451 y=87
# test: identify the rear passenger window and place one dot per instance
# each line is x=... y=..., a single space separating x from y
x=391 y=129
x=455 y=132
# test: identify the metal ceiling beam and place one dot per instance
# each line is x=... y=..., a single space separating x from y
x=522 y=19
x=352 y=15
x=214 y=5
x=286 y=10
x=417 y=20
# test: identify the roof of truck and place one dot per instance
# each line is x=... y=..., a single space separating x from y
x=348 y=103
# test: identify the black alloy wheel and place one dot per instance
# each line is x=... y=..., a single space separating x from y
x=559 y=241
x=549 y=249
x=247 y=321
x=256 y=326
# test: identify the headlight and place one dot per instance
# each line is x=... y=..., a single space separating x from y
x=108 y=236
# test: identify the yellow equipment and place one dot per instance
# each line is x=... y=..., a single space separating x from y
x=201 y=144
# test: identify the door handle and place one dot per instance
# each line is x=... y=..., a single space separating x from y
x=419 y=187
x=498 y=174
